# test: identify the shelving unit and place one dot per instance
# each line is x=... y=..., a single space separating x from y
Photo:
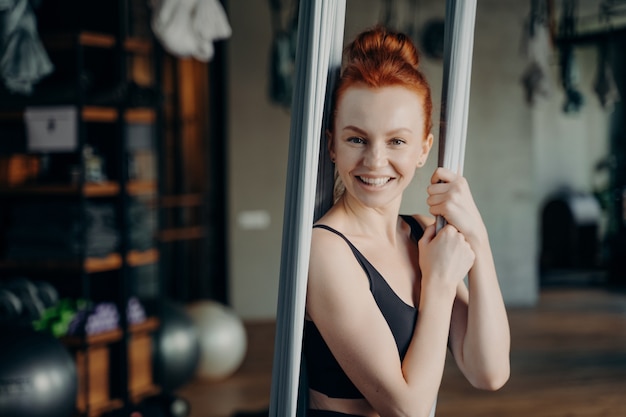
x=193 y=200
x=106 y=68
x=93 y=362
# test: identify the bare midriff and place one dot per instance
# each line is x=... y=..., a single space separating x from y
x=357 y=407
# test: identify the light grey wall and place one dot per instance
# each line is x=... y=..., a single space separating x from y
x=567 y=147
x=258 y=146
x=516 y=154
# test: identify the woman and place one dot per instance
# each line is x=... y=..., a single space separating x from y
x=386 y=295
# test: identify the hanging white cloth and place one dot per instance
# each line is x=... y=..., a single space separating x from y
x=23 y=59
x=188 y=28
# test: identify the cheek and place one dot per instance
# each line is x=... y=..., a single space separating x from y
x=346 y=157
x=410 y=161
x=344 y=164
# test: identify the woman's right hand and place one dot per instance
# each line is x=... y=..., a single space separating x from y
x=445 y=258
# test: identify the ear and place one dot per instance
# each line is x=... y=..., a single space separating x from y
x=330 y=143
x=427 y=145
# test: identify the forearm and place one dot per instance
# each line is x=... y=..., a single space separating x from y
x=424 y=362
x=486 y=344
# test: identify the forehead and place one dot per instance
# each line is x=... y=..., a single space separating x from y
x=384 y=108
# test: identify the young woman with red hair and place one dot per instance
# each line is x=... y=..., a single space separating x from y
x=386 y=296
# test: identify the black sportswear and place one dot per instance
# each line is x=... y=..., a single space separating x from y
x=324 y=372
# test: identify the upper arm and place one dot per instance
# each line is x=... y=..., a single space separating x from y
x=340 y=303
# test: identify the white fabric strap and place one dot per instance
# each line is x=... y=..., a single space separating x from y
x=320 y=35
x=455 y=91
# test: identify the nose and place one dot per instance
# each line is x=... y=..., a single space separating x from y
x=375 y=156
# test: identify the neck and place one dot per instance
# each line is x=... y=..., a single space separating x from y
x=376 y=222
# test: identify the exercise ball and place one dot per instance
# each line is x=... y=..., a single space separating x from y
x=223 y=339
x=176 y=345
x=37 y=375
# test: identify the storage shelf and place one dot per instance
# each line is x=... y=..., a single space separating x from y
x=111 y=336
x=12 y=115
x=69 y=40
x=181 y=200
x=138 y=45
x=92 y=265
x=140 y=187
x=110 y=114
x=90 y=189
x=108 y=71
x=100 y=189
x=137 y=395
x=139 y=258
x=149 y=325
x=97 y=409
x=109 y=263
x=97 y=345
x=181 y=233
x=140 y=115
x=98 y=114
x=95 y=40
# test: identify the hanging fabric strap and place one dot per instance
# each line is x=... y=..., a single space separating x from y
x=318 y=59
x=455 y=90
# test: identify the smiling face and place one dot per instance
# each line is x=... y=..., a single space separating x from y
x=378 y=141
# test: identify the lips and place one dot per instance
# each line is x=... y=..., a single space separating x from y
x=377 y=182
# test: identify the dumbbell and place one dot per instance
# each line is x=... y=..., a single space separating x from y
x=27 y=292
x=10 y=306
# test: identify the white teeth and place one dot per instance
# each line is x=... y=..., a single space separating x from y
x=375 y=181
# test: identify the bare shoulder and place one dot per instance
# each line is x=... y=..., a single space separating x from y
x=326 y=242
x=334 y=272
x=329 y=251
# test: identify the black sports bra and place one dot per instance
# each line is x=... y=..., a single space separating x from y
x=323 y=371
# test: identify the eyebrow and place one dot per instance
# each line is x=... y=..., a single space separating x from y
x=390 y=133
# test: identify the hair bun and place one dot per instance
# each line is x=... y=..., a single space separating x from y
x=382 y=42
x=379 y=57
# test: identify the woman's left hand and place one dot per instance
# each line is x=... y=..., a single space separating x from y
x=449 y=196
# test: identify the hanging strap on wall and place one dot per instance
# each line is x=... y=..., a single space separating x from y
x=318 y=59
x=455 y=91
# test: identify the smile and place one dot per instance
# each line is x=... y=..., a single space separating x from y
x=378 y=182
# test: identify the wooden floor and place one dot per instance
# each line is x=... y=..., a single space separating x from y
x=568 y=359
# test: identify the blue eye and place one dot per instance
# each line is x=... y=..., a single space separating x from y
x=397 y=141
x=356 y=139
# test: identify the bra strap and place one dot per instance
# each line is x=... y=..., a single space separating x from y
x=338 y=233
x=416 y=228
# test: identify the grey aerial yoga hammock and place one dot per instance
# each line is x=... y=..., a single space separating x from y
x=310 y=173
